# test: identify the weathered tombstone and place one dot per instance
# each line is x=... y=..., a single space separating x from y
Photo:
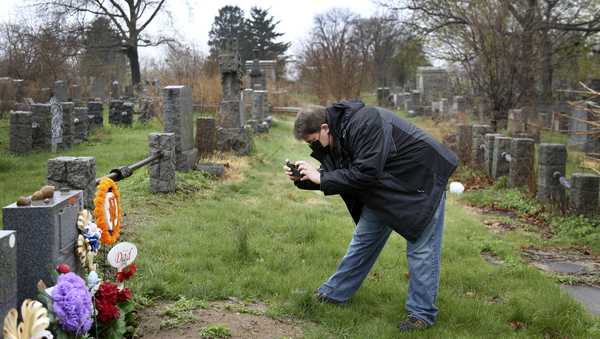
x=56 y=124
x=115 y=110
x=490 y=142
x=478 y=144
x=238 y=140
x=257 y=77
x=522 y=153
x=75 y=94
x=246 y=104
x=96 y=118
x=500 y=165
x=177 y=115
x=81 y=124
x=59 y=91
x=230 y=67
x=115 y=90
x=432 y=83
x=68 y=128
x=465 y=139
x=258 y=105
x=162 y=172
x=98 y=89
x=582 y=131
x=584 y=194
x=552 y=158
x=42 y=126
x=206 y=135
x=74 y=173
x=46 y=235
x=21 y=133
x=20 y=90
x=459 y=105
x=8 y=272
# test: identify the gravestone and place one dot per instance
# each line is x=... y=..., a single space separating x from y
x=115 y=90
x=464 y=141
x=478 y=144
x=432 y=83
x=382 y=96
x=246 y=104
x=177 y=115
x=258 y=105
x=459 y=105
x=56 y=123
x=68 y=125
x=59 y=91
x=114 y=114
x=162 y=172
x=552 y=158
x=8 y=272
x=46 y=236
x=238 y=140
x=583 y=133
x=81 y=124
x=584 y=194
x=98 y=89
x=20 y=90
x=490 y=142
x=258 y=80
x=500 y=166
x=95 y=115
x=206 y=135
x=75 y=94
x=42 y=126
x=516 y=122
x=74 y=173
x=522 y=152
x=21 y=133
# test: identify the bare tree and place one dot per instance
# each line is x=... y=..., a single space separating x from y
x=129 y=17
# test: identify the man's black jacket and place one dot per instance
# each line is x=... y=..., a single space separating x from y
x=384 y=162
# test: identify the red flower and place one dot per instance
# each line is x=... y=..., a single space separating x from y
x=126 y=273
x=63 y=268
x=124 y=295
x=106 y=299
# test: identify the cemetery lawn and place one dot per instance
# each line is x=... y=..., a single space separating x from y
x=254 y=236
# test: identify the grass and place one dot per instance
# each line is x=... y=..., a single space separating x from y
x=255 y=236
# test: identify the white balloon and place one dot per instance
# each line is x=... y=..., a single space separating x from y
x=456 y=187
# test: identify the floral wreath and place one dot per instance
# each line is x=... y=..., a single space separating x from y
x=108 y=236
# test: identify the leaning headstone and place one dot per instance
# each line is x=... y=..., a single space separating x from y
x=584 y=194
x=177 y=115
x=68 y=126
x=8 y=272
x=500 y=165
x=46 y=233
x=162 y=172
x=74 y=173
x=21 y=133
x=490 y=142
x=42 y=126
x=465 y=139
x=552 y=158
x=522 y=152
x=206 y=135
x=478 y=144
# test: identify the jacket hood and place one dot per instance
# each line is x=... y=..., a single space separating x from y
x=342 y=110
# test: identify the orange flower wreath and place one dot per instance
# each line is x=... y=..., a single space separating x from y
x=107 y=185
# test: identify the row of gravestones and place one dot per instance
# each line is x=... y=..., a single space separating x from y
x=42 y=234
x=499 y=156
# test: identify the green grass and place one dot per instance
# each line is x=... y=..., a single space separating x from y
x=261 y=238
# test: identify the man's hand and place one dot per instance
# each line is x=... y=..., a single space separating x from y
x=309 y=172
x=289 y=174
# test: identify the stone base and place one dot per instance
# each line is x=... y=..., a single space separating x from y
x=186 y=160
x=238 y=140
x=217 y=170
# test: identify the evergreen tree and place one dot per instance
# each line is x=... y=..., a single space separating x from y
x=229 y=24
x=262 y=34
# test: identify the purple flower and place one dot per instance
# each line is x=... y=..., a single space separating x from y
x=72 y=304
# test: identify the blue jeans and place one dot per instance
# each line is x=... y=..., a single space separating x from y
x=423 y=258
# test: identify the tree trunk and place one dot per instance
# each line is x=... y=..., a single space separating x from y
x=134 y=64
x=547 y=66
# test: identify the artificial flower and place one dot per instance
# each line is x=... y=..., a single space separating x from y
x=106 y=299
x=124 y=295
x=72 y=304
x=126 y=273
x=63 y=268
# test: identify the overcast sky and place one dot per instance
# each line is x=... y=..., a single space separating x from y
x=193 y=18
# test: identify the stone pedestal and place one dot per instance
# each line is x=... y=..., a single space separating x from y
x=162 y=173
x=96 y=118
x=8 y=272
x=522 y=152
x=177 y=115
x=74 y=173
x=551 y=158
x=21 y=133
x=584 y=194
x=229 y=114
x=42 y=123
x=67 y=124
x=46 y=236
x=258 y=105
x=500 y=166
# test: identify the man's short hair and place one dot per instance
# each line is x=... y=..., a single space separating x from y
x=309 y=120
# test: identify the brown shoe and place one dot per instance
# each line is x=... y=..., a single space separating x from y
x=412 y=323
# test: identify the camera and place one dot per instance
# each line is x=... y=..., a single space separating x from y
x=293 y=168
